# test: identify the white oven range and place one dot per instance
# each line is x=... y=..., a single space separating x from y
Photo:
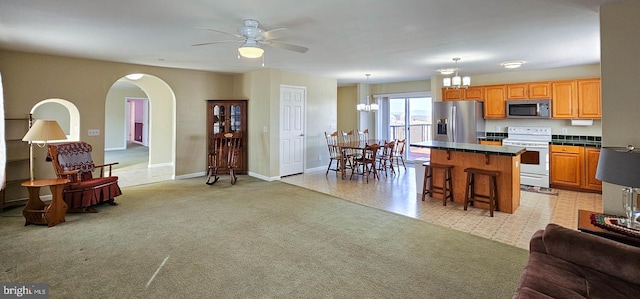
x=534 y=169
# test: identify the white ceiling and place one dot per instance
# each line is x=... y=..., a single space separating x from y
x=394 y=41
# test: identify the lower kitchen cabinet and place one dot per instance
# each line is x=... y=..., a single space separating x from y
x=490 y=142
x=574 y=167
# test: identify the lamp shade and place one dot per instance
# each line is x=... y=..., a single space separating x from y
x=619 y=166
x=44 y=131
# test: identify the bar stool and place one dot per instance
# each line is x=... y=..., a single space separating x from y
x=470 y=195
x=447 y=184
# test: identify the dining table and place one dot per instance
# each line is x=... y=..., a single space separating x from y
x=356 y=146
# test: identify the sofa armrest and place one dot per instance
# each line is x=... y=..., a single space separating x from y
x=536 y=244
x=607 y=256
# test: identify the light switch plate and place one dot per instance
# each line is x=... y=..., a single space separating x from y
x=94 y=132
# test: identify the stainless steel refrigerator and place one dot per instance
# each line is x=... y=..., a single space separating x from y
x=458 y=121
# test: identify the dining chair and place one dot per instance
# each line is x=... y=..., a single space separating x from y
x=334 y=153
x=363 y=135
x=347 y=137
x=398 y=153
x=367 y=160
x=385 y=157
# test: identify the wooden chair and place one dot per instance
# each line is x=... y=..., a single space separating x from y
x=350 y=137
x=366 y=159
x=363 y=135
x=334 y=153
x=73 y=161
x=224 y=158
x=385 y=157
x=398 y=154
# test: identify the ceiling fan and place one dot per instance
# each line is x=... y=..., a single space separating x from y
x=252 y=37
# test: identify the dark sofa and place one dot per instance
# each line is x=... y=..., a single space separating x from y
x=565 y=263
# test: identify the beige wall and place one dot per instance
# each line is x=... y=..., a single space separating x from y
x=262 y=88
x=619 y=27
x=30 y=78
x=347 y=115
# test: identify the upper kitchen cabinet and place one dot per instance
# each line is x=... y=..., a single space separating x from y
x=589 y=100
x=564 y=99
x=517 y=91
x=453 y=94
x=460 y=94
x=494 y=101
x=525 y=91
x=474 y=93
x=540 y=90
x=576 y=99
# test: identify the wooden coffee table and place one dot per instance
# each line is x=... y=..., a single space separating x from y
x=585 y=225
x=36 y=211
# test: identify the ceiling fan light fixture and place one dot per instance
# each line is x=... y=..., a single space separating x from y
x=134 y=77
x=250 y=51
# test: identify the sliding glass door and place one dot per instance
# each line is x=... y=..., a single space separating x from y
x=410 y=119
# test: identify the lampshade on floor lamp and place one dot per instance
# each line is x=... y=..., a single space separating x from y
x=42 y=132
x=621 y=166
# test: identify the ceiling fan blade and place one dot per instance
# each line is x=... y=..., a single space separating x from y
x=224 y=32
x=276 y=33
x=216 y=42
x=291 y=47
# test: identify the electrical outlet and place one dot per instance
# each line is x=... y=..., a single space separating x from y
x=94 y=132
x=498 y=129
x=564 y=131
x=319 y=157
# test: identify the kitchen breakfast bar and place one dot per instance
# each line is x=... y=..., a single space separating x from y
x=505 y=159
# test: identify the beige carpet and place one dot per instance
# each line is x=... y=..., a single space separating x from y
x=257 y=239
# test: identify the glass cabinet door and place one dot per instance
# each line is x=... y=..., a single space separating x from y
x=218 y=119
x=235 y=116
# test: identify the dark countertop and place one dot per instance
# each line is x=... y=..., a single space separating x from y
x=472 y=148
x=589 y=143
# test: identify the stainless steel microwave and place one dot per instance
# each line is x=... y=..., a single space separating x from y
x=529 y=109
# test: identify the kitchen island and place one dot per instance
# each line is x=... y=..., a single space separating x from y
x=505 y=159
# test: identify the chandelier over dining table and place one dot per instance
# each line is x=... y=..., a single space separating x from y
x=368 y=106
x=456 y=81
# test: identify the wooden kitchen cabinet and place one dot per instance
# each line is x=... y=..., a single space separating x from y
x=576 y=99
x=494 y=101
x=591 y=156
x=564 y=99
x=490 y=142
x=517 y=91
x=228 y=116
x=453 y=94
x=589 y=99
x=463 y=94
x=575 y=167
x=566 y=165
x=475 y=93
x=540 y=90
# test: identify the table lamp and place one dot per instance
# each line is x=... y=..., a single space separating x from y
x=42 y=132
x=621 y=166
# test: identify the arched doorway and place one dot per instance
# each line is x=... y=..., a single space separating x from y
x=157 y=121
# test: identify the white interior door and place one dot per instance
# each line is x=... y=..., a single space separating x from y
x=292 y=103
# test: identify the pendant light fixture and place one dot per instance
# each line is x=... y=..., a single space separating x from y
x=456 y=81
x=367 y=107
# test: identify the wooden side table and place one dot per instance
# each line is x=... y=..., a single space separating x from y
x=36 y=212
x=585 y=225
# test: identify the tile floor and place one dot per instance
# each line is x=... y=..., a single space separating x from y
x=397 y=194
